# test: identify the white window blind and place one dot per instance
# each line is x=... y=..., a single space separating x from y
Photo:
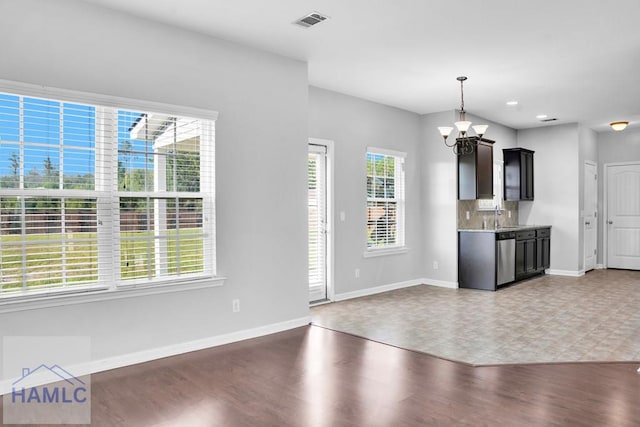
x=317 y=211
x=93 y=195
x=385 y=199
x=162 y=186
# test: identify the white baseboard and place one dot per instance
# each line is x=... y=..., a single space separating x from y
x=393 y=286
x=570 y=273
x=376 y=290
x=441 y=283
x=600 y=267
x=171 y=350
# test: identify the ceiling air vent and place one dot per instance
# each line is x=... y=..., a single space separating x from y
x=549 y=120
x=310 y=20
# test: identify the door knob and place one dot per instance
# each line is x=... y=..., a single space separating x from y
x=587 y=223
x=610 y=222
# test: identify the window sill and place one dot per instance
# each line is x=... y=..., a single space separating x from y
x=55 y=299
x=370 y=253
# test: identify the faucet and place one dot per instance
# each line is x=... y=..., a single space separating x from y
x=496 y=213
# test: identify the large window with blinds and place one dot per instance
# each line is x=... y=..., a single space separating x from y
x=385 y=199
x=96 y=196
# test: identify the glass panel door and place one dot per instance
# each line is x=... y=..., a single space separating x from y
x=317 y=203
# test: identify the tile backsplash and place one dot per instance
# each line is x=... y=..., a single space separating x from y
x=483 y=218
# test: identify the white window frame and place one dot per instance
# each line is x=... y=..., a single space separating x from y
x=109 y=286
x=399 y=192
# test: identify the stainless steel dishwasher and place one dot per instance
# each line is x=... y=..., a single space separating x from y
x=506 y=254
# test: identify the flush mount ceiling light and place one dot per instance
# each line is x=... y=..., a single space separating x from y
x=618 y=126
x=464 y=143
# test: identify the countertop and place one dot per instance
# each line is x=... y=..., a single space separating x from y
x=503 y=229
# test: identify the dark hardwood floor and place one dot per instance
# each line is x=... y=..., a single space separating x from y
x=312 y=376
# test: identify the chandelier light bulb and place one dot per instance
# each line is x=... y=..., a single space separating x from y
x=463 y=125
x=480 y=129
x=445 y=131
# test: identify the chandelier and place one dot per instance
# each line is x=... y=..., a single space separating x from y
x=464 y=143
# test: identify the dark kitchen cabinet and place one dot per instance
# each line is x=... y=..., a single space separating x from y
x=543 y=249
x=518 y=174
x=475 y=171
x=477 y=262
x=526 y=254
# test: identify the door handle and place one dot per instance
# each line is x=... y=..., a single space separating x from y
x=610 y=222
x=587 y=223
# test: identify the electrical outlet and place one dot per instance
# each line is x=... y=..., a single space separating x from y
x=235 y=305
x=357 y=273
x=435 y=265
x=468 y=216
x=509 y=213
x=343 y=216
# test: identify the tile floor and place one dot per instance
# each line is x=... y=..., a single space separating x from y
x=545 y=319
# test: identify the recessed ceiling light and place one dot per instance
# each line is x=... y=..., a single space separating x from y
x=512 y=103
x=541 y=116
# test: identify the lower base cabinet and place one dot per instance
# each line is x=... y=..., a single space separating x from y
x=526 y=252
x=543 y=248
x=477 y=261
x=532 y=252
x=478 y=257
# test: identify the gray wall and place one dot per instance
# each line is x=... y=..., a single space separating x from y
x=439 y=197
x=613 y=147
x=261 y=151
x=354 y=124
x=557 y=199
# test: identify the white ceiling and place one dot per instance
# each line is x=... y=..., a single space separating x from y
x=576 y=60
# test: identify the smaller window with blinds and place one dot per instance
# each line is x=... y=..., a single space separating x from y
x=385 y=199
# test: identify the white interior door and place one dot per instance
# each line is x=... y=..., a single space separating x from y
x=590 y=215
x=623 y=216
x=317 y=203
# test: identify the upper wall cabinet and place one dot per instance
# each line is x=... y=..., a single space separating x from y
x=518 y=174
x=475 y=171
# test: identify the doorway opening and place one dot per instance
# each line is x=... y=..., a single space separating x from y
x=590 y=215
